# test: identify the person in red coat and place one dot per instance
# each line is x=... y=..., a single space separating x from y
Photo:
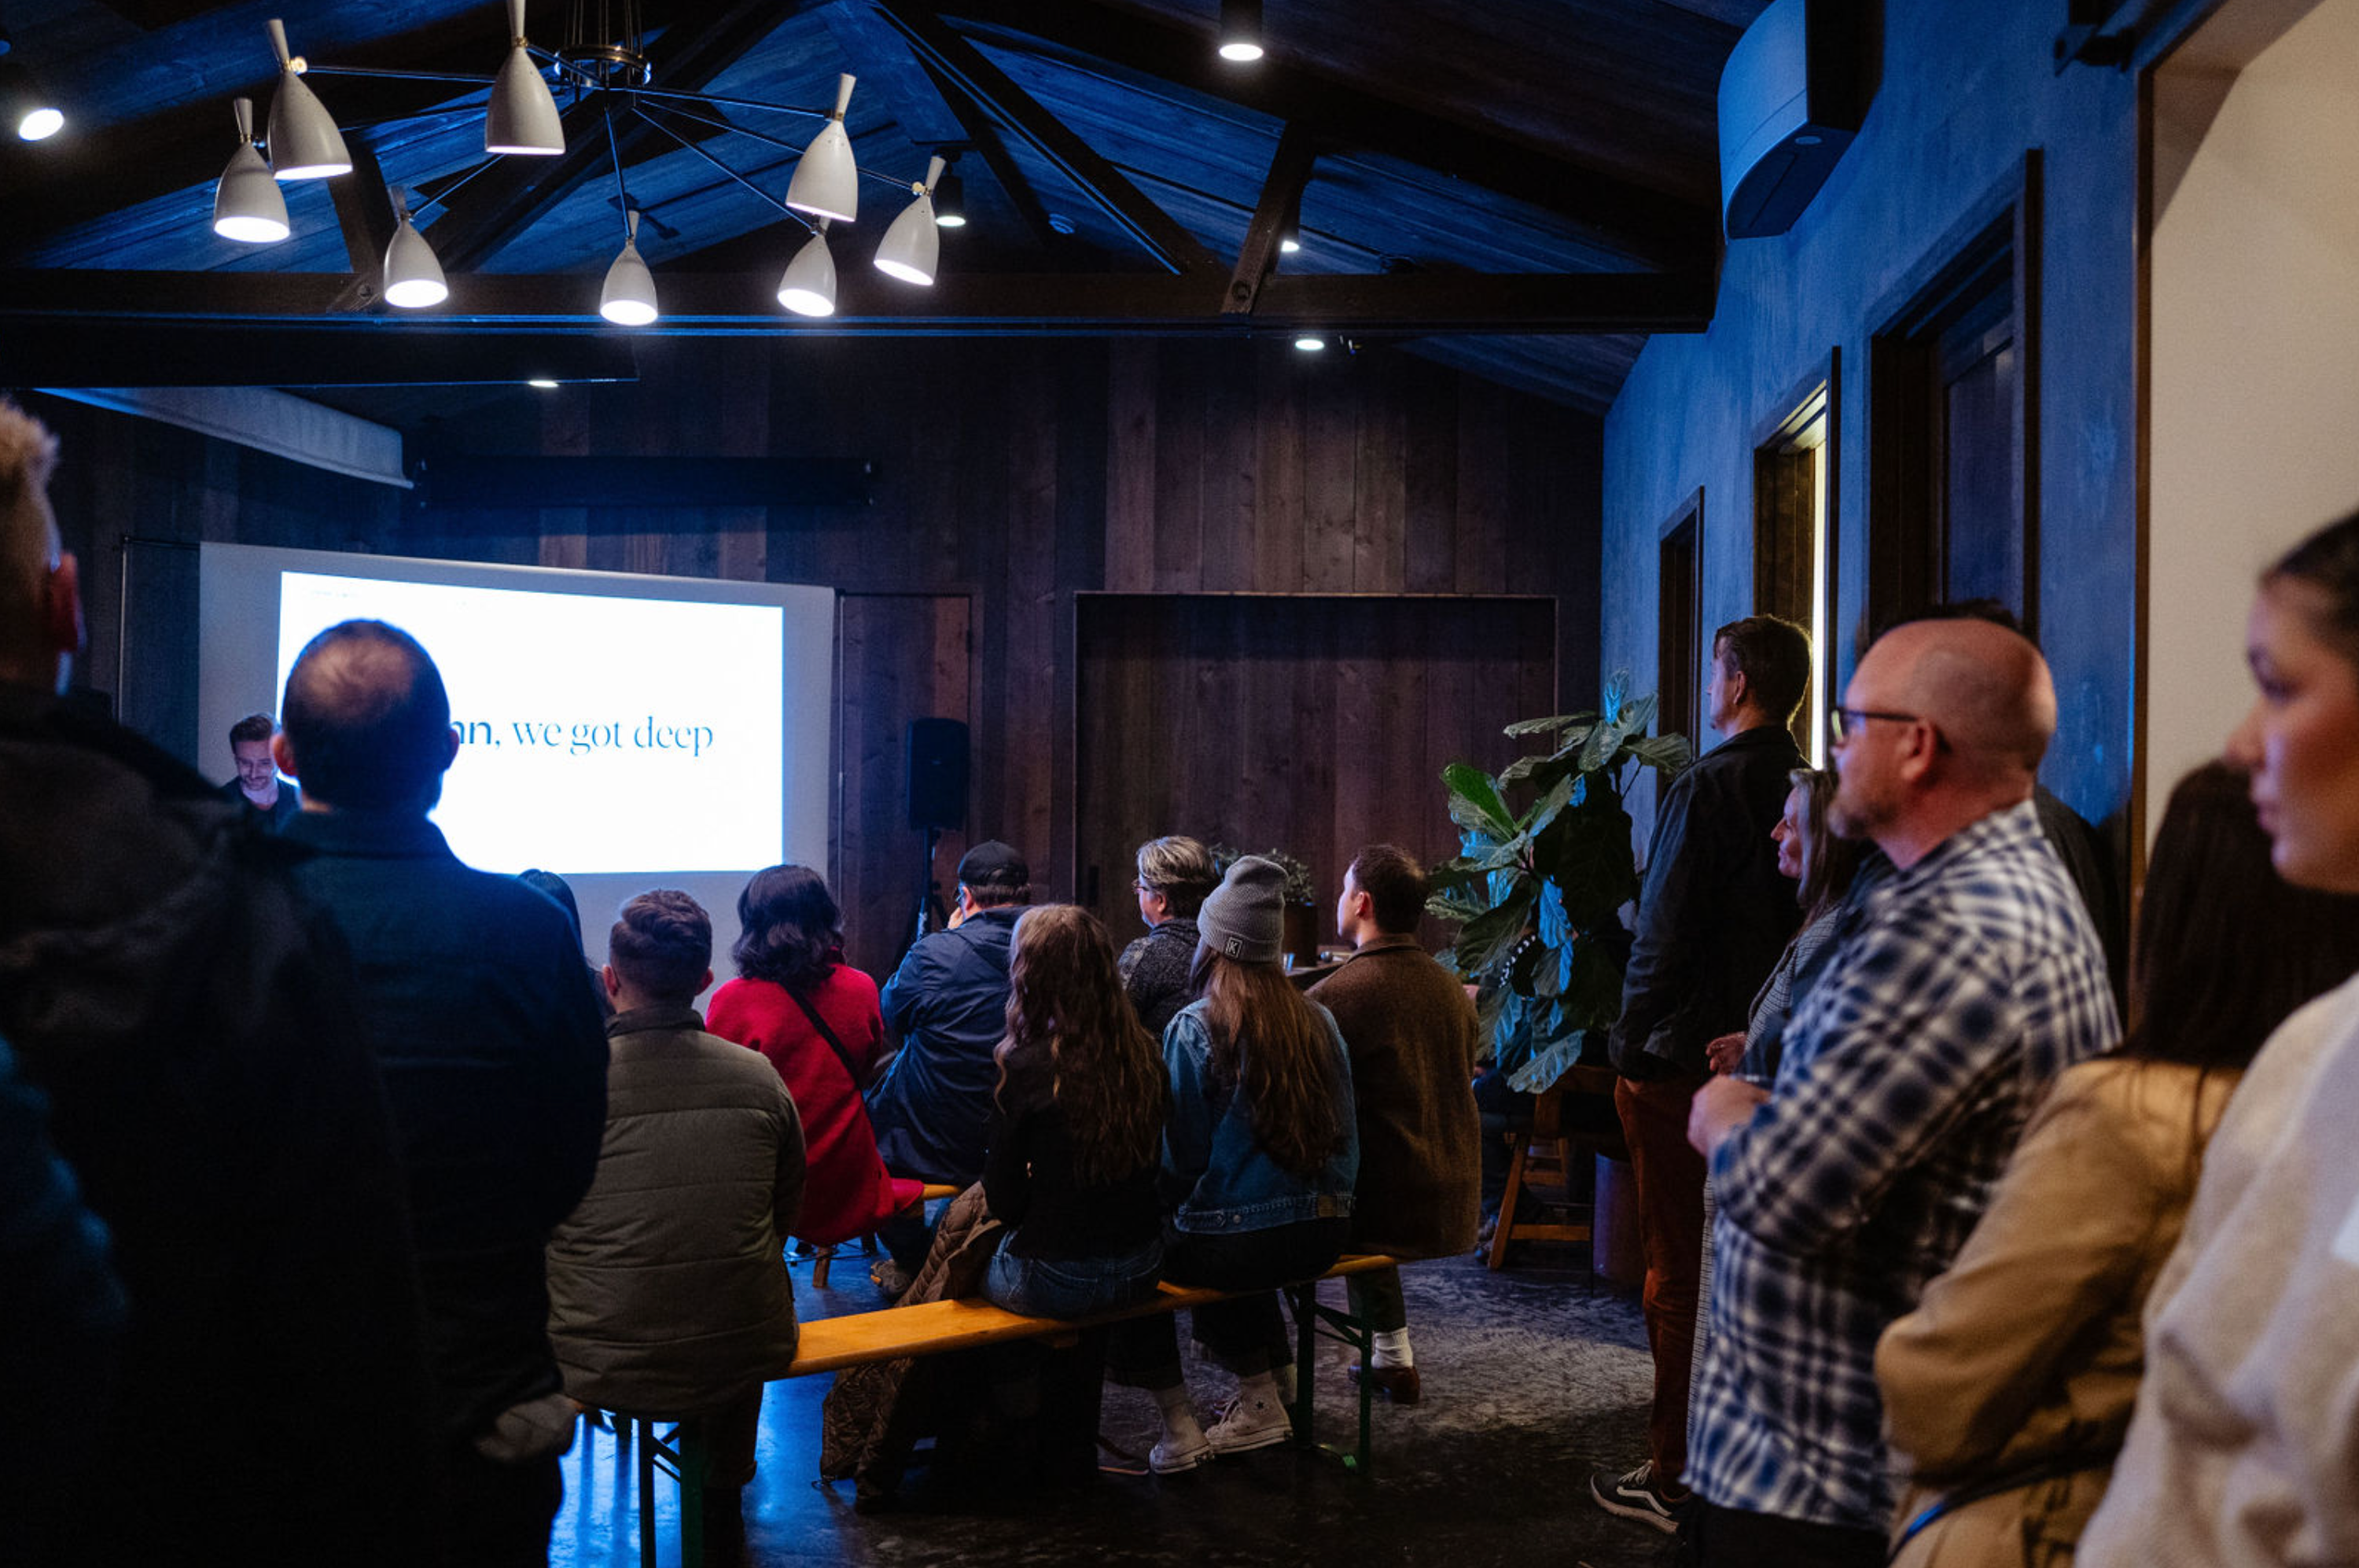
x=816 y=1019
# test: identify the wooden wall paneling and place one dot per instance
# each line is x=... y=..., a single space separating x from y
x=1230 y=466
x=1131 y=436
x=1380 y=502
x=1301 y=768
x=1484 y=450
x=1331 y=454
x=1430 y=488
x=1361 y=672
x=1031 y=598
x=1181 y=373
x=1279 y=489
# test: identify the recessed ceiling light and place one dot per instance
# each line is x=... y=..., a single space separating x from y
x=1310 y=344
x=543 y=382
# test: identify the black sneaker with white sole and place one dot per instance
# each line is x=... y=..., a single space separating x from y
x=1636 y=1495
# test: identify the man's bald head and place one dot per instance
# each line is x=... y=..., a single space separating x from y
x=1984 y=687
x=366 y=722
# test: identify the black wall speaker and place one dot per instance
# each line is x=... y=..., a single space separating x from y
x=937 y=773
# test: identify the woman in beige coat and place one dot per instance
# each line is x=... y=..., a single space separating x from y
x=2007 y=1391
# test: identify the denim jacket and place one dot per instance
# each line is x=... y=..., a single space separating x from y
x=1223 y=1180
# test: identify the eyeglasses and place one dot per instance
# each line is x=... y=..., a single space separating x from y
x=1145 y=887
x=1841 y=723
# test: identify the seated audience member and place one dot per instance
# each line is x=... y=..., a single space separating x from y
x=947 y=1007
x=667 y=1294
x=1259 y=1155
x=2241 y=1449
x=269 y=801
x=560 y=892
x=1174 y=875
x=814 y=1018
x=2007 y=1391
x=1410 y=1033
x=191 y=1023
x=1076 y=1127
x=1964 y=978
x=493 y=1057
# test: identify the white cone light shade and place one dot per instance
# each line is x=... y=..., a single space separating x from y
x=521 y=118
x=628 y=299
x=413 y=278
x=247 y=202
x=304 y=141
x=808 y=287
x=826 y=181
x=913 y=246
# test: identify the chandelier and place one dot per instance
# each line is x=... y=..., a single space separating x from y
x=602 y=57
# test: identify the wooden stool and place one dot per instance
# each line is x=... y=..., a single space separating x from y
x=1546 y=1151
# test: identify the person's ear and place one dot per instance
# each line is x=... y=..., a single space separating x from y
x=61 y=625
x=613 y=982
x=451 y=740
x=705 y=983
x=1924 y=746
x=283 y=755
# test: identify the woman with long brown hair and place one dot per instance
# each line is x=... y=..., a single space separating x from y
x=1076 y=1123
x=1260 y=1154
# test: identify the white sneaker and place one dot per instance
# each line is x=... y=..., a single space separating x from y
x=1172 y=1456
x=1250 y=1424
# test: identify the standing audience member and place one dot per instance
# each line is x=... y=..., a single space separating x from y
x=1962 y=980
x=815 y=1018
x=1076 y=1125
x=947 y=1007
x=668 y=1292
x=1410 y=1033
x=192 y=1024
x=1174 y=875
x=558 y=891
x=2244 y=1447
x=1259 y=1156
x=493 y=1056
x=2007 y=1391
x=269 y=801
x=1712 y=917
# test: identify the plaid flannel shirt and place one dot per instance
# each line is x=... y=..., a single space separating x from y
x=1957 y=990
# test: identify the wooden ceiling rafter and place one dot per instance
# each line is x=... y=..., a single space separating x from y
x=1170 y=245
x=1275 y=216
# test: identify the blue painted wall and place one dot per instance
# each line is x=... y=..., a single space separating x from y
x=1966 y=91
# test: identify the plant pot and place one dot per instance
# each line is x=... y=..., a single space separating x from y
x=1302 y=934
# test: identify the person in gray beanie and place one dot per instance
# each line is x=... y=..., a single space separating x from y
x=1260 y=1154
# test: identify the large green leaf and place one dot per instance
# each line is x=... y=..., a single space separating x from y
x=1591 y=996
x=1545 y=1065
x=1544 y=811
x=1487 y=938
x=1667 y=754
x=1523 y=727
x=1475 y=803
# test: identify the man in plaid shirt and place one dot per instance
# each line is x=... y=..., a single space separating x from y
x=1963 y=976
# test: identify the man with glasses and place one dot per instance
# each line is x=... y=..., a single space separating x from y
x=1964 y=976
x=1712 y=918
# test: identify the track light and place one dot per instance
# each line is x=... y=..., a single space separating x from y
x=1287 y=243
x=913 y=246
x=32 y=114
x=1241 y=30
x=1309 y=344
x=304 y=141
x=521 y=117
x=808 y=287
x=413 y=278
x=950 y=201
x=826 y=182
x=628 y=299
x=247 y=202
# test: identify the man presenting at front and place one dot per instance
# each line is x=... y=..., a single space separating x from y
x=1963 y=976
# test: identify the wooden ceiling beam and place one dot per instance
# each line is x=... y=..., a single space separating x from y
x=1171 y=244
x=1636 y=219
x=1275 y=217
x=728 y=304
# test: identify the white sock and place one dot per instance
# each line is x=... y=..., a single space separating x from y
x=1392 y=1348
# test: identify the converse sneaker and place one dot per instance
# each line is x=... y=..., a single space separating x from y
x=1636 y=1495
x=1250 y=1424
x=1176 y=1453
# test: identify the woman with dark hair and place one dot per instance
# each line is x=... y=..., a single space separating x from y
x=1076 y=1124
x=1260 y=1154
x=2009 y=1389
x=2246 y=1443
x=816 y=1019
x=1821 y=866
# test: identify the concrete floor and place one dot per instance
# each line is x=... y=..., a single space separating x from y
x=1531 y=1379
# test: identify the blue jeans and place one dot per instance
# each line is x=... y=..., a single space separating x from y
x=1070 y=1286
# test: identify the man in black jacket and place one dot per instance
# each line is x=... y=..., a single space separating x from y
x=493 y=1056
x=1712 y=918
x=192 y=1024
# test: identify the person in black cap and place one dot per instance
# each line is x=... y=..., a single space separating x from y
x=947 y=1006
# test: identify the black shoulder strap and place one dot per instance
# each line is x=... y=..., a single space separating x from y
x=826 y=1034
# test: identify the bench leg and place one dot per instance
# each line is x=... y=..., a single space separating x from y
x=646 y=1435
x=1310 y=1318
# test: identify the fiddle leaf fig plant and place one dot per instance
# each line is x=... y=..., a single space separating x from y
x=1538 y=892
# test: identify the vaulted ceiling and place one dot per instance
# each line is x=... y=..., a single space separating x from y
x=1520 y=188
